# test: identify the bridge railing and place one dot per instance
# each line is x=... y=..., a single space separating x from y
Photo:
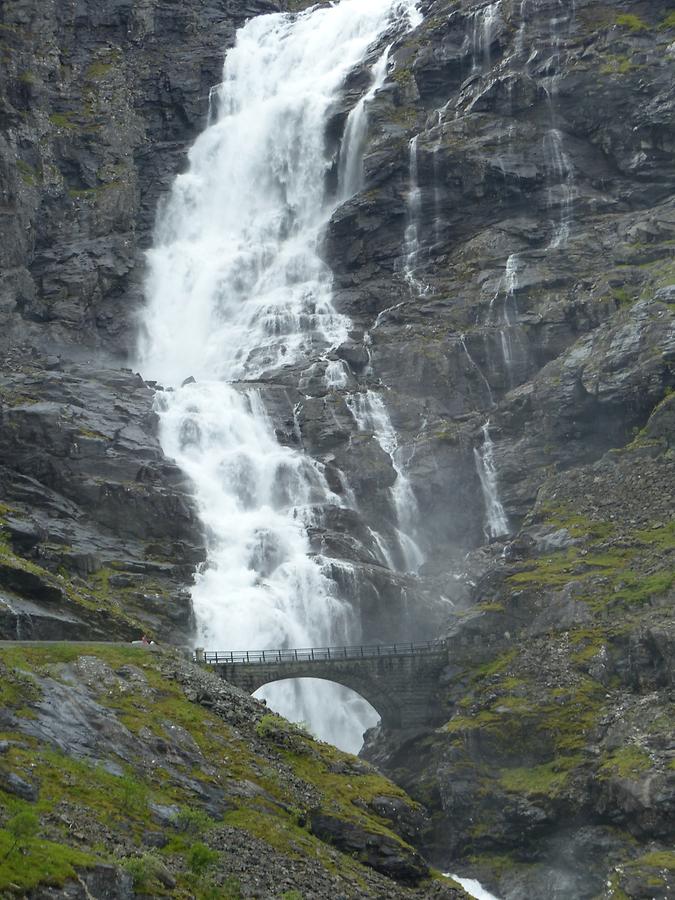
x=317 y=654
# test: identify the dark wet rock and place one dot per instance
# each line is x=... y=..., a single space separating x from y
x=378 y=851
x=105 y=881
x=90 y=493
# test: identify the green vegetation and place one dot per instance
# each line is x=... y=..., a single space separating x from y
x=28 y=174
x=146 y=872
x=21 y=827
x=79 y=597
x=116 y=804
x=18 y=690
x=547 y=779
x=94 y=193
x=98 y=69
x=280 y=731
x=619 y=65
x=496 y=666
x=497 y=863
x=200 y=858
x=628 y=762
x=623 y=296
x=668 y=22
x=40 y=862
x=402 y=75
x=659 y=859
x=623 y=581
x=92 y=435
x=193 y=821
x=63 y=120
x=631 y=22
x=578 y=525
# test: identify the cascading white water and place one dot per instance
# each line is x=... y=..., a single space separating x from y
x=558 y=165
x=336 y=374
x=236 y=290
x=484 y=21
x=370 y=414
x=510 y=287
x=350 y=169
x=561 y=190
x=509 y=335
x=411 y=241
x=472 y=887
x=496 y=523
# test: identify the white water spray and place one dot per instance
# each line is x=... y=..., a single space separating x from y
x=411 y=238
x=236 y=290
x=561 y=190
x=473 y=887
x=496 y=523
x=484 y=22
x=370 y=414
x=512 y=346
x=350 y=169
x=336 y=375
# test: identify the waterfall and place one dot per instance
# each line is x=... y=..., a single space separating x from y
x=474 y=365
x=495 y=516
x=472 y=887
x=235 y=291
x=336 y=375
x=509 y=336
x=561 y=190
x=370 y=415
x=350 y=168
x=483 y=33
x=411 y=243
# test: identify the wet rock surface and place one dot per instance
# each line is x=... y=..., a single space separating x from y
x=100 y=537
x=536 y=297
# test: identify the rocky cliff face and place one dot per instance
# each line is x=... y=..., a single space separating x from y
x=508 y=267
x=511 y=262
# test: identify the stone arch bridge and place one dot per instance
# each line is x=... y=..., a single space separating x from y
x=399 y=680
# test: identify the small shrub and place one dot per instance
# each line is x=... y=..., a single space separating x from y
x=270 y=725
x=22 y=827
x=133 y=795
x=192 y=821
x=291 y=895
x=283 y=733
x=200 y=858
x=144 y=870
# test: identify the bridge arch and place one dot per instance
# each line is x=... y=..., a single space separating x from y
x=400 y=682
x=383 y=704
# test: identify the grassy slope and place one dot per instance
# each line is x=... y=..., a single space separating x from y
x=231 y=776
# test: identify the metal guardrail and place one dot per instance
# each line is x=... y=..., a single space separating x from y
x=316 y=654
